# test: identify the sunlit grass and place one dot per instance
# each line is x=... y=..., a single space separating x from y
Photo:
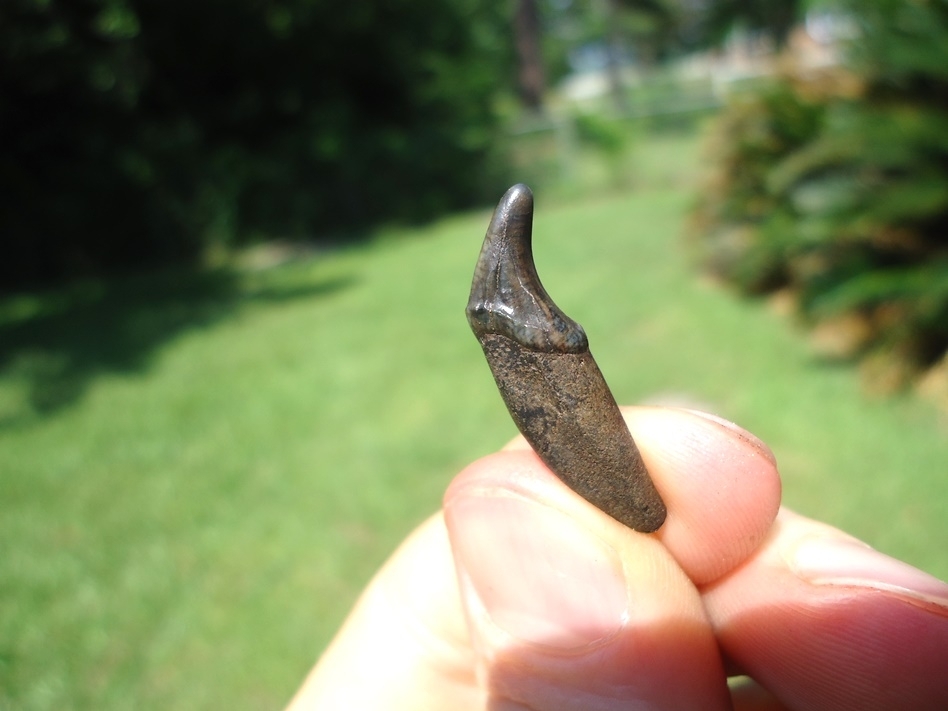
x=198 y=476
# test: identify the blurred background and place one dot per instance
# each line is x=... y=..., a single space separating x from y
x=237 y=242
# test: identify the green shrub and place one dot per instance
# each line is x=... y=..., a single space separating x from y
x=838 y=189
x=737 y=212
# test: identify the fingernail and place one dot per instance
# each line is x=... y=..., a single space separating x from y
x=540 y=576
x=743 y=434
x=833 y=561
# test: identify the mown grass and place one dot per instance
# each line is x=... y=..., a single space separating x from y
x=198 y=472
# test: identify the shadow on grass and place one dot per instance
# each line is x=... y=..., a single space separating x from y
x=53 y=345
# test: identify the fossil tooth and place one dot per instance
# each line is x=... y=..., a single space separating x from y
x=546 y=375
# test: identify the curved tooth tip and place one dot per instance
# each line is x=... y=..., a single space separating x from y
x=519 y=197
x=513 y=217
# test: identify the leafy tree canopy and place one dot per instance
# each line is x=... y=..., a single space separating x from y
x=137 y=130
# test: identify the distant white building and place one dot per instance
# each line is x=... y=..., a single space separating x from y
x=745 y=56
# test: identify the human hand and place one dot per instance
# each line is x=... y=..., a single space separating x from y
x=521 y=595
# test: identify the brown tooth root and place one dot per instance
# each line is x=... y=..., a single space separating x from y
x=552 y=386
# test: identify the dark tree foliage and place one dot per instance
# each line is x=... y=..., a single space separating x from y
x=775 y=18
x=134 y=131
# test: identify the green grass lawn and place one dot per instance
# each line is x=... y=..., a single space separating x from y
x=198 y=473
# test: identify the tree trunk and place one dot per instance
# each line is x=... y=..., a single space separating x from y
x=614 y=58
x=531 y=79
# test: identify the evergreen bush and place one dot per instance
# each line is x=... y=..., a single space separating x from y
x=834 y=185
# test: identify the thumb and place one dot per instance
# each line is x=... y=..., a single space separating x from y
x=567 y=608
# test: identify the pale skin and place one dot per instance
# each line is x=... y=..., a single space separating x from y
x=520 y=595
